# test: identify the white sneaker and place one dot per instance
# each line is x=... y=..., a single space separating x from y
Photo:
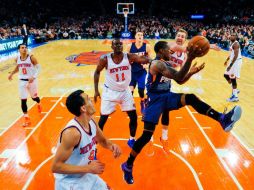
x=233 y=98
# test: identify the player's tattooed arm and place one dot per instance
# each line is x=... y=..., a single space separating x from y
x=159 y=66
x=101 y=65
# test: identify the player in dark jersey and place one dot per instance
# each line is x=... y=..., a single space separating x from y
x=160 y=98
x=138 y=71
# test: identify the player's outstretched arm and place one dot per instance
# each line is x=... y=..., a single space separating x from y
x=105 y=143
x=16 y=69
x=226 y=62
x=215 y=47
x=138 y=59
x=37 y=69
x=71 y=138
x=193 y=70
x=174 y=47
x=236 y=48
x=128 y=48
x=101 y=65
x=148 y=50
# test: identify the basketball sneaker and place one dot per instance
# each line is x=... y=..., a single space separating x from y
x=127 y=171
x=39 y=107
x=27 y=121
x=131 y=142
x=165 y=145
x=233 y=98
x=228 y=120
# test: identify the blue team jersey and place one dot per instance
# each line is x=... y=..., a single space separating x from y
x=158 y=83
x=136 y=67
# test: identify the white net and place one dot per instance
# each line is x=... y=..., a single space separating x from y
x=125 y=13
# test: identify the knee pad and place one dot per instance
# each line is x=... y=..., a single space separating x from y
x=165 y=118
x=141 y=92
x=24 y=105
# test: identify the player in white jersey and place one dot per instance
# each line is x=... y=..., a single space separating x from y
x=74 y=163
x=28 y=70
x=233 y=67
x=116 y=87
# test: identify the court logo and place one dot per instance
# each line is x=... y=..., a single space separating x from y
x=86 y=58
x=126 y=35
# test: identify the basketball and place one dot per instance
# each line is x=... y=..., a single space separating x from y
x=200 y=45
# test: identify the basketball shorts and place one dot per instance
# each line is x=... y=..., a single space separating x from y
x=158 y=102
x=138 y=78
x=25 y=87
x=235 y=70
x=110 y=98
x=88 y=182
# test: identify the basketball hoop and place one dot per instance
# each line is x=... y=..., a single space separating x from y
x=125 y=13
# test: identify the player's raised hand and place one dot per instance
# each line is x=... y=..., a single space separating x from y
x=215 y=47
x=96 y=94
x=10 y=77
x=116 y=150
x=195 y=69
x=96 y=167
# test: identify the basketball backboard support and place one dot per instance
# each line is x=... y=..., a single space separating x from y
x=122 y=7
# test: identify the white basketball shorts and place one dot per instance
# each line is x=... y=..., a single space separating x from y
x=25 y=87
x=110 y=98
x=235 y=70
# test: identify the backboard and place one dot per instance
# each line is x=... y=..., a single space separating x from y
x=129 y=7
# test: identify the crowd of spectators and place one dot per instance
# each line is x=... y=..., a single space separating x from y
x=110 y=27
x=68 y=21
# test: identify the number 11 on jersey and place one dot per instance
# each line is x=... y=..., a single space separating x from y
x=117 y=77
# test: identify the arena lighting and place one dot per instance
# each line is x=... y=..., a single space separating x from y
x=198 y=17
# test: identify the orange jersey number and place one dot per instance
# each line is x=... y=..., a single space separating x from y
x=117 y=77
x=91 y=156
x=24 y=71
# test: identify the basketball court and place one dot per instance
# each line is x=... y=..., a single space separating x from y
x=202 y=155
